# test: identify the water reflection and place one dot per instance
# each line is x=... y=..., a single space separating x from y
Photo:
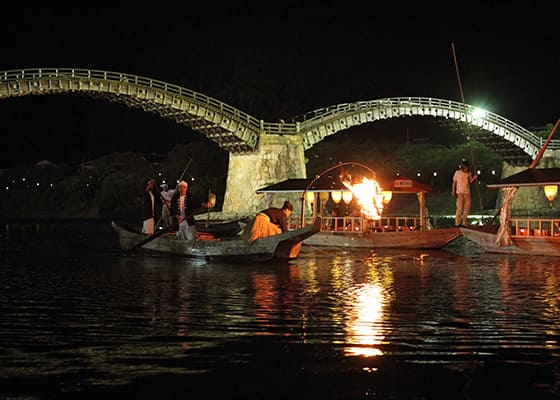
x=325 y=318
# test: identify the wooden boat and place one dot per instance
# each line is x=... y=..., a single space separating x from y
x=388 y=232
x=520 y=235
x=283 y=246
x=529 y=236
x=222 y=229
x=528 y=241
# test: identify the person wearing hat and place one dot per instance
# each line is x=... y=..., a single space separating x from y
x=183 y=208
x=166 y=196
x=271 y=221
x=462 y=178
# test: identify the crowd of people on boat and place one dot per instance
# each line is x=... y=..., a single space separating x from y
x=179 y=208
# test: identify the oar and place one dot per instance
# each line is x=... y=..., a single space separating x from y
x=154 y=235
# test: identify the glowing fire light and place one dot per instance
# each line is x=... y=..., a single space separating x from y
x=369 y=195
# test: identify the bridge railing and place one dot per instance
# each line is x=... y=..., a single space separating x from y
x=468 y=113
x=77 y=73
x=299 y=123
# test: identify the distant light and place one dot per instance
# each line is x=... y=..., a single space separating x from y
x=37 y=184
x=478 y=172
x=493 y=172
x=479 y=113
x=418 y=174
x=435 y=173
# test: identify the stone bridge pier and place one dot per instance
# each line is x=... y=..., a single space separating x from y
x=277 y=157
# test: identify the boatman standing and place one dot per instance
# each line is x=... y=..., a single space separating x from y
x=184 y=209
x=462 y=178
x=166 y=196
x=151 y=196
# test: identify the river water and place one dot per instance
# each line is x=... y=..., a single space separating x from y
x=81 y=319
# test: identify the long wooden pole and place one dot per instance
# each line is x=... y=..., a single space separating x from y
x=544 y=146
x=467 y=125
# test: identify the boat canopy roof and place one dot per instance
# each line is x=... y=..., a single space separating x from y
x=530 y=177
x=332 y=184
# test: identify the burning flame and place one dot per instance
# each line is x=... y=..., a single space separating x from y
x=369 y=195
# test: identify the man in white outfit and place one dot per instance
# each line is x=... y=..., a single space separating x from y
x=461 y=187
x=184 y=208
x=166 y=196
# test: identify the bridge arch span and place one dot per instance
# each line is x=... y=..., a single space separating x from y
x=232 y=129
x=514 y=143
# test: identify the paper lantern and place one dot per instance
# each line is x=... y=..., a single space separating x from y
x=310 y=197
x=387 y=196
x=336 y=197
x=347 y=197
x=550 y=191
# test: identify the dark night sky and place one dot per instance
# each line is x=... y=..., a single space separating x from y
x=272 y=60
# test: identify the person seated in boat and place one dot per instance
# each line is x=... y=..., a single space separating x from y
x=462 y=178
x=271 y=221
x=183 y=208
x=151 y=197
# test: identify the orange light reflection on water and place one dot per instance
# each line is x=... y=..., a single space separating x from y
x=364 y=327
x=365 y=330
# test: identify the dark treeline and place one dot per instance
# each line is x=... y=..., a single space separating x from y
x=111 y=186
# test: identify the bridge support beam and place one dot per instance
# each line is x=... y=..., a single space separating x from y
x=278 y=157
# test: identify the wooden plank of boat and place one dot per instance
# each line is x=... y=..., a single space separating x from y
x=526 y=245
x=406 y=239
x=222 y=229
x=283 y=246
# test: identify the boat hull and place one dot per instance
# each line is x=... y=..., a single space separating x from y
x=416 y=239
x=284 y=246
x=526 y=245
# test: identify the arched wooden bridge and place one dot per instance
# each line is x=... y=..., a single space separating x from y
x=238 y=132
x=268 y=152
